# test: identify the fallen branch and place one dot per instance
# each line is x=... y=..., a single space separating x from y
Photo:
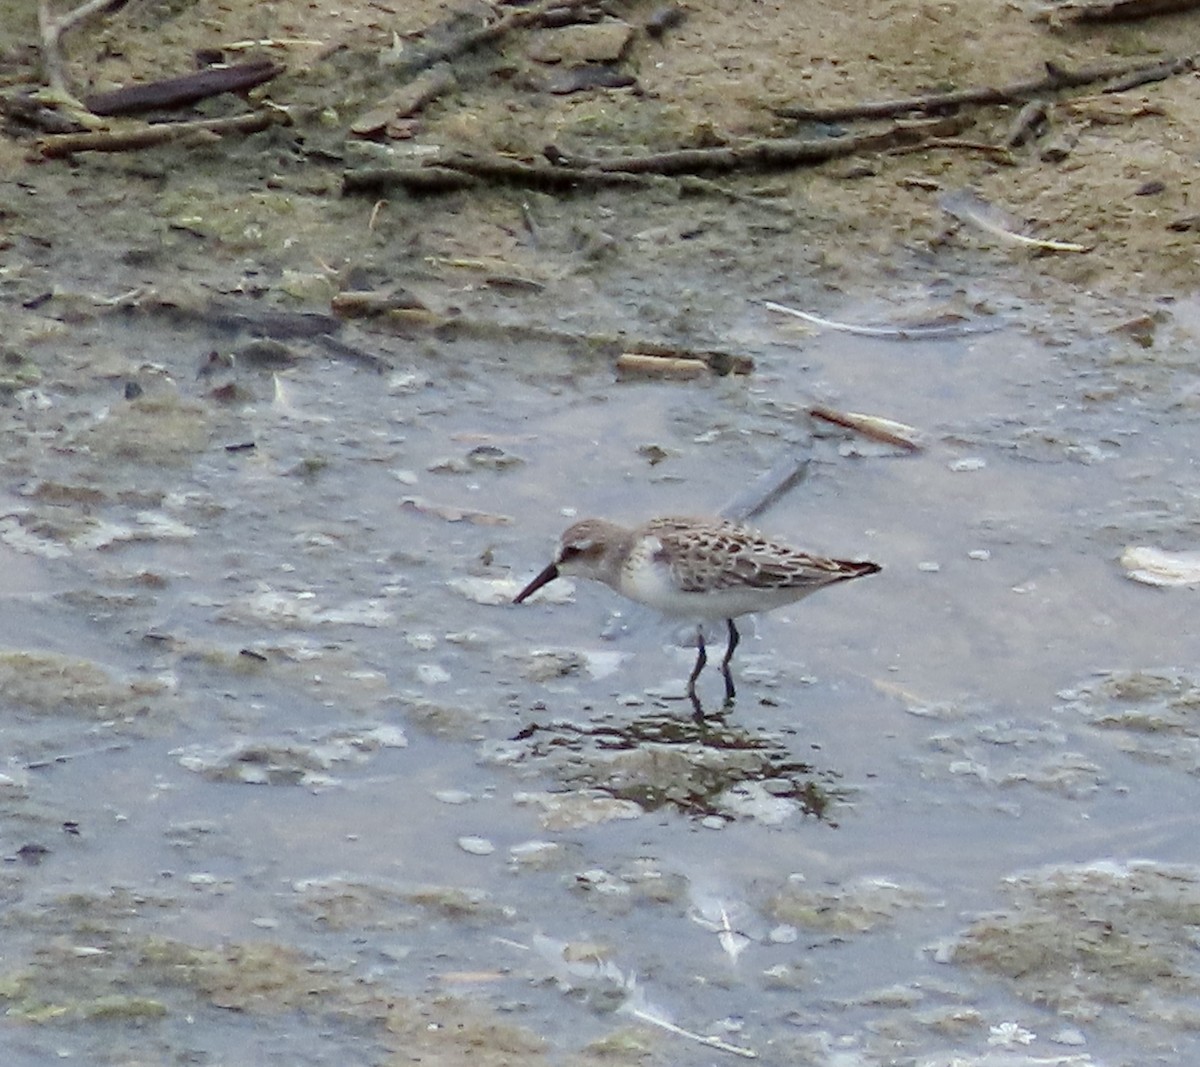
x=447 y=173
x=67 y=144
x=999 y=153
x=183 y=90
x=1158 y=72
x=1054 y=80
x=774 y=152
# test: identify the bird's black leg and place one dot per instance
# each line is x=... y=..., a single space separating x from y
x=701 y=660
x=734 y=638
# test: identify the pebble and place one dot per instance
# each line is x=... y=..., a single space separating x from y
x=476 y=846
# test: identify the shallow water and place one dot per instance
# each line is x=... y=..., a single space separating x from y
x=310 y=725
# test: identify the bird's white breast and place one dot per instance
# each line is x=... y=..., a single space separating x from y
x=647 y=578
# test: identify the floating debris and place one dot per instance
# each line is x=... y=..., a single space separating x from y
x=1155 y=566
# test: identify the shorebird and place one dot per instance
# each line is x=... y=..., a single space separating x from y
x=703 y=569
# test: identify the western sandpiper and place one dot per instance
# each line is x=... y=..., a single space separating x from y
x=700 y=569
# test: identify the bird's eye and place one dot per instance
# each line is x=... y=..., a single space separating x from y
x=570 y=552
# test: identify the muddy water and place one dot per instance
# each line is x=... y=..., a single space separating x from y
x=258 y=697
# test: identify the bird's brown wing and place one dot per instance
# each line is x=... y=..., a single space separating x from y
x=705 y=555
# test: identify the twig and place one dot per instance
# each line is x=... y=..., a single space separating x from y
x=185 y=89
x=999 y=153
x=1055 y=79
x=887 y=431
x=447 y=173
x=52 y=31
x=1156 y=73
x=717 y=361
x=774 y=152
x=640 y=365
x=57 y=146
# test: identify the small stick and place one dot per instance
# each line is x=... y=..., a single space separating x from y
x=1156 y=73
x=717 y=361
x=641 y=365
x=774 y=152
x=872 y=426
x=59 y=145
x=999 y=153
x=446 y=173
x=183 y=90
x=52 y=31
x=1055 y=79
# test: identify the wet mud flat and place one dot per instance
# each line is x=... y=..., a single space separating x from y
x=287 y=775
